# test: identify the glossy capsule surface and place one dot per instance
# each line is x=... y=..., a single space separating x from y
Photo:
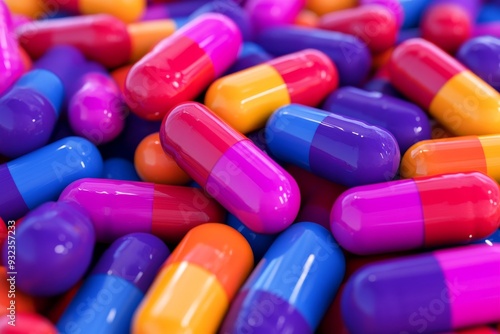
x=109 y=296
x=349 y=54
x=454 y=96
x=456 y=288
x=337 y=148
x=102 y=38
x=422 y=212
x=406 y=121
x=230 y=168
x=480 y=56
x=292 y=286
x=193 y=289
x=125 y=10
x=450 y=155
x=54 y=237
x=374 y=24
x=41 y=175
x=246 y=99
x=182 y=65
x=121 y=207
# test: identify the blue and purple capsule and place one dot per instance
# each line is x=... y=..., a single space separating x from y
x=340 y=149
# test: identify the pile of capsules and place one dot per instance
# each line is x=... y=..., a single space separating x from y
x=258 y=166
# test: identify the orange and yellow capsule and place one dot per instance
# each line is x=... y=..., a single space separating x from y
x=453 y=155
x=246 y=99
x=192 y=292
x=454 y=96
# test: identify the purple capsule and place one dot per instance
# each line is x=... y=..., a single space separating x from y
x=54 y=245
x=406 y=121
x=29 y=112
x=97 y=111
x=481 y=56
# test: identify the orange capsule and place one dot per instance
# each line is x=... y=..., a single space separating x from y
x=154 y=165
x=453 y=155
x=192 y=292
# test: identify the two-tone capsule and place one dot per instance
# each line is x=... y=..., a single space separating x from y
x=410 y=214
x=125 y=10
x=41 y=175
x=292 y=286
x=428 y=293
x=102 y=38
x=340 y=149
x=452 y=155
x=192 y=291
x=121 y=207
x=108 y=298
x=454 y=96
x=182 y=65
x=246 y=99
x=230 y=168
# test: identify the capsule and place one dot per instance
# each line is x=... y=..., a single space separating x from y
x=119 y=169
x=451 y=155
x=340 y=149
x=125 y=10
x=230 y=168
x=265 y=14
x=449 y=23
x=11 y=64
x=374 y=24
x=454 y=96
x=322 y=7
x=29 y=113
x=192 y=291
x=182 y=66
x=480 y=56
x=96 y=110
x=56 y=237
x=112 y=292
x=233 y=11
x=406 y=121
x=102 y=38
x=41 y=175
x=154 y=165
x=423 y=212
x=160 y=10
x=349 y=54
x=121 y=207
x=427 y=293
x=246 y=99
x=292 y=286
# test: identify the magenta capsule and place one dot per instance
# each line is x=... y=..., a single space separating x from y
x=117 y=208
x=231 y=168
x=422 y=212
x=96 y=109
x=427 y=293
x=11 y=65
